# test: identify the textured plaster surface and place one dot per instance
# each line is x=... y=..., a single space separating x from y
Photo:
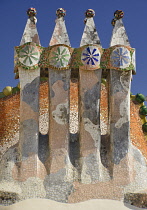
x=57 y=187
x=90 y=134
x=30 y=93
x=30 y=33
x=119 y=35
x=119 y=114
x=29 y=77
x=29 y=135
x=29 y=122
x=89 y=107
x=64 y=184
x=59 y=87
x=60 y=35
x=90 y=35
x=140 y=172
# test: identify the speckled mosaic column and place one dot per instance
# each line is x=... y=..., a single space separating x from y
x=89 y=105
x=29 y=124
x=59 y=87
x=90 y=134
x=29 y=74
x=119 y=99
x=59 y=118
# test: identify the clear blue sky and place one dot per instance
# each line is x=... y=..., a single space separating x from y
x=13 y=20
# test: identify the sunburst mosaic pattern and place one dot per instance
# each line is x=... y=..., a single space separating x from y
x=91 y=56
x=120 y=57
x=29 y=55
x=60 y=57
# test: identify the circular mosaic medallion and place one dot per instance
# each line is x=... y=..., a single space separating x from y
x=91 y=56
x=60 y=57
x=120 y=57
x=29 y=55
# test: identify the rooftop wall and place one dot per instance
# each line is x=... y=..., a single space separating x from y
x=10 y=114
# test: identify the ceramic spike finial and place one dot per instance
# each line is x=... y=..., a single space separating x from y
x=30 y=33
x=119 y=35
x=90 y=35
x=60 y=35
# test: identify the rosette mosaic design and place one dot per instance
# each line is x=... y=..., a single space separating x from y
x=120 y=57
x=91 y=56
x=60 y=57
x=29 y=55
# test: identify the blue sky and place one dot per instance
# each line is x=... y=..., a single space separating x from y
x=13 y=20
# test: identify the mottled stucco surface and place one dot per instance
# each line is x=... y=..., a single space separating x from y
x=55 y=186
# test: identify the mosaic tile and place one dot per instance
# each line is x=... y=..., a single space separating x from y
x=28 y=56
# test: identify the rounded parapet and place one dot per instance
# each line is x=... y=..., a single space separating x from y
x=60 y=12
x=64 y=57
x=87 y=57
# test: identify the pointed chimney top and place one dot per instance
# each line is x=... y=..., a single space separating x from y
x=119 y=35
x=30 y=32
x=90 y=35
x=60 y=35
